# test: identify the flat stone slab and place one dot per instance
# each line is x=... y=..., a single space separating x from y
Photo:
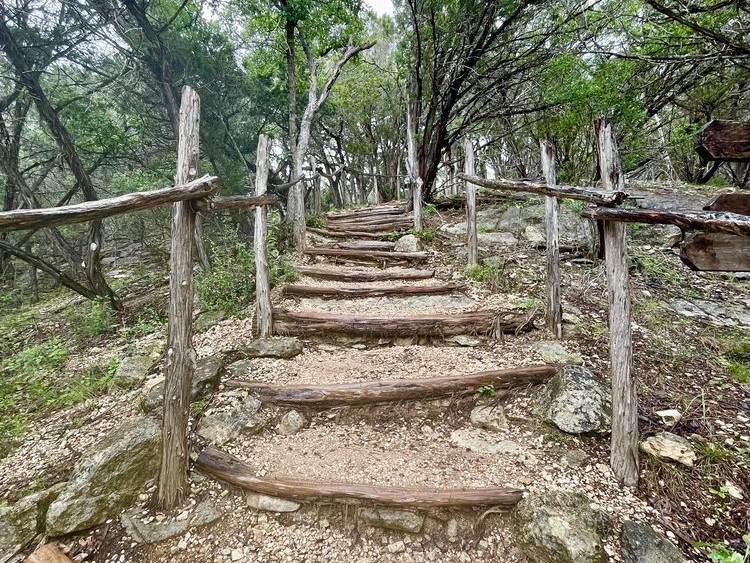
x=716 y=312
x=151 y=532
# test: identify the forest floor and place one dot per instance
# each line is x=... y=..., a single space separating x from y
x=691 y=352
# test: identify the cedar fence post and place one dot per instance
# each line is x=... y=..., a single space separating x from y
x=263 y=308
x=471 y=204
x=173 y=477
x=624 y=450
x=552 y=206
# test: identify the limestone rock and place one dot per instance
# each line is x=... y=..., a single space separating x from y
x=108 y=477
x=142 y=532
x=496 y=239
x=208 y=319
x=392 y=519
x=561 y=527
x=407 y=243
x=291 y=423
x=490 y=417
x=464 y=340
x=534 y=235
x=555 y=353
x=271 y=504
x=206 y=379
x=220 y=428
x=132 y=371
x=641 y=544
x=576 y=402
x=284 y=347
x=666 y=445
x=22 y=521
x=481 y=441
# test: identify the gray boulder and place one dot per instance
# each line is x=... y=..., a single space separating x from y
x=284 y=347
x=392 y=519
x=108 y=478
x=206 y=379
x=220 y=428
x=151 y=532
x=555 y=353
x=561 y=527
x=641 y=544
x=672 y=447
x=22 y=521
x=407 y=243
x=132 y=371
x=576 y=402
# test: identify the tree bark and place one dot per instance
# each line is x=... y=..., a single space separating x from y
x=471 y=205
x=174 y=485
x=624 y=450
x=551 y=224
x=263 y=309
x=298 y=290
x=366 y=275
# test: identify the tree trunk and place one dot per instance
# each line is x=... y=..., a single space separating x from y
x=263 y=310
x=174 y=485
x=551 y=224
x=471 y=206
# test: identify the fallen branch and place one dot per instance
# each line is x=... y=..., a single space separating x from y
x=215 y=463
x=474 y=322
x=369 y=392
x=365 y=275
x=299 y=290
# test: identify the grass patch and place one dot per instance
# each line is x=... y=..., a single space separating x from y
x=315 y=221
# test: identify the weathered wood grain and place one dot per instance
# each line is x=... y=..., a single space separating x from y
x=724 y=140
x=716 y=252
x=711 y=221
x=552 y=228
x=365 y=275
x=263 y=307
x=299 y=290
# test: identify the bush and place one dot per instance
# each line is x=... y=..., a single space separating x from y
x=230 y=285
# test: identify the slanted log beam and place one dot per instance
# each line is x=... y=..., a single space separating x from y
x=369 y=392
x=227 y=468
x=22 y=219
x=711 y=221
x=599 y=197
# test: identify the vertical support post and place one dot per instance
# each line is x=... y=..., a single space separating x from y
x=624 y=448
x=173 y=478
x=398 y=179
x=263 y=310
x=471 y=205
x=551 y=224
x=375 y=185
x=413 y=166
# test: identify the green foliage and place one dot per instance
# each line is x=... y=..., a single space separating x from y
x=315 y=221
x=230 y=284
x=147 y=322
x=429 y=210
x=494 y=276
x=487 y=392
x=91 y=318
x=425 y=235
x=720 y=553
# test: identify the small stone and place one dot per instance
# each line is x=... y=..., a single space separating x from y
x=575 y=458
x=490 y=417
x=464 y=341
x=669 y=417
x=280 y=347
x=392 y=519
x=666 y=445
x=397 y=547
x=291 y=423
x=451 y=529
x=182 y=545
x=555 y=353
x=481 y=441
x=132 y=371
x=237 y=555
x=407 y=243
x=641 y=544
x=271 y=504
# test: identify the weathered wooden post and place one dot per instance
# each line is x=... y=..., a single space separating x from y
x=180 y=365
x=551 y=224
x=262 y=287
x=624 y=450
x=413 y=167
x=471 y=204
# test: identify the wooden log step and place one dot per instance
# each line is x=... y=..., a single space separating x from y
x=300 y=290
x=377 y=220
x=367 y=255
x=220 y=465
x=352 y=234
x=365 y=275
x=367 y=212
x=440 y=325
x=357 y=228
x=369 y=392
x=366 y=245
